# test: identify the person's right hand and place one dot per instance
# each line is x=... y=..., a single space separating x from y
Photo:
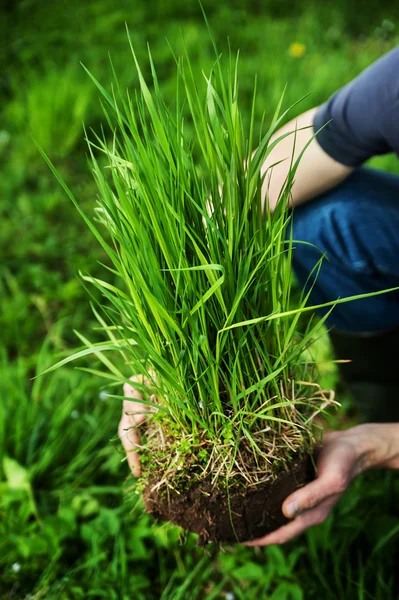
x=133 y=415
x=344 y=455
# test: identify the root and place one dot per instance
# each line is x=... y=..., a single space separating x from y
x=247 y=460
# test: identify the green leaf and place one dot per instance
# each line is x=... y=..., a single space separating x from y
x=16 y=475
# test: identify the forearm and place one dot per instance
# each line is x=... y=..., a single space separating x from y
x=316 y=173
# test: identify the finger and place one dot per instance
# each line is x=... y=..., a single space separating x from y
x=311 y=517
x=136 y=410
x=314 y=493
x=133 y=414
x=130 y=441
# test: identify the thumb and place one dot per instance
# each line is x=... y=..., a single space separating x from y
x=335 y=471
x=329 y=483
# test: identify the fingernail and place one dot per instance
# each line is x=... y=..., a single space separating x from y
x=291 y=509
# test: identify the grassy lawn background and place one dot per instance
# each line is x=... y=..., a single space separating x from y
x=67 y=528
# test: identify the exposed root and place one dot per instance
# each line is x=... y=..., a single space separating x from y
x=254 y=456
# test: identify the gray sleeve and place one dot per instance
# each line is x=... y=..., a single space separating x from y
x=363 y=115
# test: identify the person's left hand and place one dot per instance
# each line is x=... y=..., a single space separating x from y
x=344 y=455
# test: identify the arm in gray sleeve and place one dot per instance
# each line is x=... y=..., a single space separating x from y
x=363 y=115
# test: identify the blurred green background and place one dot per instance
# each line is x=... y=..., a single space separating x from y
x=69 y=526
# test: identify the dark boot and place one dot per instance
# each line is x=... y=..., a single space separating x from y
x=372 y=376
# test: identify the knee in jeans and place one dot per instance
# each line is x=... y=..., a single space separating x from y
x=332 y=226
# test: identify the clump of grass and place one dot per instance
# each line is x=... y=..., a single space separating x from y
x=203 y=307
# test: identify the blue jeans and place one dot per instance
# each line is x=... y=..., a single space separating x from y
x=357 y=225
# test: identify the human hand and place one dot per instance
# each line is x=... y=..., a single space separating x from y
x=344 y=455
x=133 y=415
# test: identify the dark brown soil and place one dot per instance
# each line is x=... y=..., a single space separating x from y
x=205 y=511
